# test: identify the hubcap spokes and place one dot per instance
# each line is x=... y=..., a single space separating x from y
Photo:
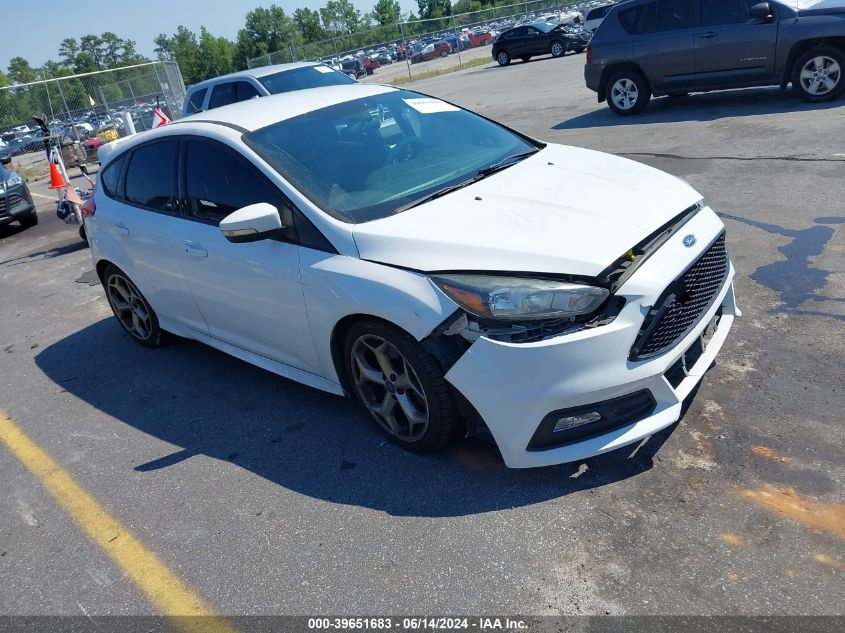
x=820 y=75
x=129 y=307
x=624 y=94
x=389 y=387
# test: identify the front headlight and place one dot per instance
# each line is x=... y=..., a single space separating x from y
x=13 y=179
x=519 y=299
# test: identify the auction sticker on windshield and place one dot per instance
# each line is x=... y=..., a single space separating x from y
x=323 y=69
x=430 y=106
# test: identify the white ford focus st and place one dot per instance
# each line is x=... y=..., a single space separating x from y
x=376 y=242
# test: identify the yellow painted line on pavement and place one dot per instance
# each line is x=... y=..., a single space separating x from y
x=161 y=586
x=41 y=195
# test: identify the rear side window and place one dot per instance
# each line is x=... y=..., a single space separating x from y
x=640 y=19
x=151 y=177
x=222 y=94
x=304 y=78
x=218 y=182
x=674 y=15
x=600 y=12
x=111 y=176
x=196 y=100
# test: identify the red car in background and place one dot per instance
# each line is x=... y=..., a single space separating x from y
x=438 y=49
x=480 y=39
x=369 y=64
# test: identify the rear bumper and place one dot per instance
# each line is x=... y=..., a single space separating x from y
x=592 y=76
x=514 y=387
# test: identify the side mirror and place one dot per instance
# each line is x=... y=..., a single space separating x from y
x=251 y=224
x=761 y=11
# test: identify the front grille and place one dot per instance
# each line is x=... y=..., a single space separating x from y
x=14 y=200
x=683 y=303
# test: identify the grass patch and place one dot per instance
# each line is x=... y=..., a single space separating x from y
x=473 y=63
x=28 y=172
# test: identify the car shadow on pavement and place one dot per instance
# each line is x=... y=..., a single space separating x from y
x=709 y=106
x=208 y=403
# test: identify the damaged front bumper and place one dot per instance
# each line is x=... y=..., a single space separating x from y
x=515 y=387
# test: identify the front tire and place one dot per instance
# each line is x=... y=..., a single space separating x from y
x=401 y=386
x=557 y=49
x=29 y=221
x=627 y=92
x=817 y=74
x=503 y=58
x=131 y=309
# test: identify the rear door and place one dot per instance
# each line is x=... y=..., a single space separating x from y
x=733 y=47
x=665 y=48
x=517 y=45
x=147 y=227
x=249 y=294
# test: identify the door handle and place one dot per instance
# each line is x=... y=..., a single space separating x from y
x=195 y=251
x=121 y=229
x=708 y=35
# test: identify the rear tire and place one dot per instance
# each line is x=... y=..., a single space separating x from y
x=627 y=92
x=391 y=374
x=817 y=74
x=29 y=221
x=503 y=58
x=131 y=309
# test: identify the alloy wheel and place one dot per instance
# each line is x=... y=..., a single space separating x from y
x=624 y=94
x=820 y=75
x=503 y=58
x=389 y=387
x=129 y=307
x=557 y=49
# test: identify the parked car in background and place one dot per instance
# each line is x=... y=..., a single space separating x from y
x=648 y=48
x=458 y=42
x=15 y=200
x=370 y=65
x=540 y=38
x=353 y=67
x=260 y=82
x=432 y=51
x=480 y=38
x=311 y=237
x=384 y=57
x=595 y=16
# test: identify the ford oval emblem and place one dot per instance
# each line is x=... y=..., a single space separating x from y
x=689 y=240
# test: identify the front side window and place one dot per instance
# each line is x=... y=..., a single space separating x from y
x=304 y=78
x=218 y=182
x=246 y=91
x=222 y=94
x=716 y=12
x=674 y=15
x=151 y=177
x=196 y=100
x=372 y=157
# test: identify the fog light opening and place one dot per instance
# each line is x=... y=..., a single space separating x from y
x=570 y=422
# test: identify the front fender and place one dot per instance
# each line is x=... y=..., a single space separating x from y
x=337 y=286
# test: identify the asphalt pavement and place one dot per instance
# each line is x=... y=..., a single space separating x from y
x=267 y=497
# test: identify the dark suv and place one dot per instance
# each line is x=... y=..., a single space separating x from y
x=660 y=47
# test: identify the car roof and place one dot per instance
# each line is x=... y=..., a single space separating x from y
x=262 y=71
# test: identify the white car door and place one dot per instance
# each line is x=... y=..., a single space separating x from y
x=249 y=294
x=142 y=226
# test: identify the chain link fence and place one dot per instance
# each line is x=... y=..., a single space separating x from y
x=397 y=52
x=86 y=110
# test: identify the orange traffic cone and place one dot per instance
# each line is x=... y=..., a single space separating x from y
x=57 y=181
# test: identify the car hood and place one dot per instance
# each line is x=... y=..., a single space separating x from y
x=564 y=210
x=816 y=7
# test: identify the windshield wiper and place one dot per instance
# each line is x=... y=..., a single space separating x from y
x=437 y=194
x=479 y=175
x=506 y=162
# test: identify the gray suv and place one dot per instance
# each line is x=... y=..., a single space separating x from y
x=668 y=47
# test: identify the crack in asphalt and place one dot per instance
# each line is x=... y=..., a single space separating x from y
x=807 y=159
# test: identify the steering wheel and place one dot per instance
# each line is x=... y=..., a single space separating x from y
x=404 y=150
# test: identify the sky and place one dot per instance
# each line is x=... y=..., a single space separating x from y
x=40 y=32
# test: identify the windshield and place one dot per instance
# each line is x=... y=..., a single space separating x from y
x=369 y=158
x=303 y=78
